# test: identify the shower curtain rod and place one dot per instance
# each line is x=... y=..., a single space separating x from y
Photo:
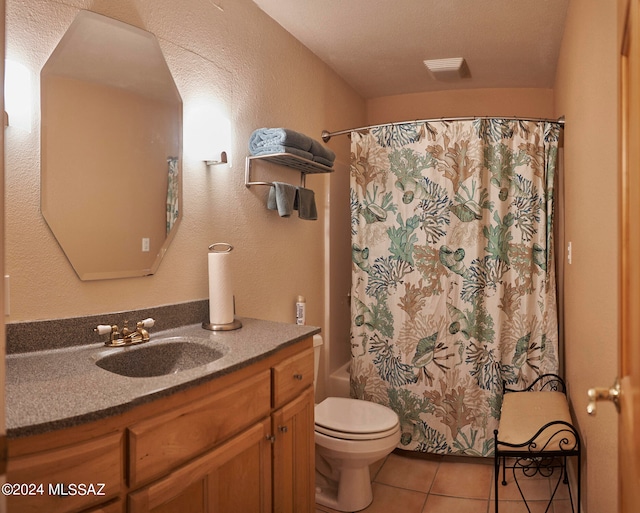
x=326 y=135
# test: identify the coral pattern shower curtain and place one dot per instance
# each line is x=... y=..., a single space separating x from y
x=173 y=192
x=453 y=286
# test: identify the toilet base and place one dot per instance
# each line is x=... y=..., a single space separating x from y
x=352 y=492
x=343 y=481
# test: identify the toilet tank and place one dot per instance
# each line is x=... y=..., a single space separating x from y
x=317 y=347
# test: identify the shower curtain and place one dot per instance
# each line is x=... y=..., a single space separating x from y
x=453 y=287
x=173 y=187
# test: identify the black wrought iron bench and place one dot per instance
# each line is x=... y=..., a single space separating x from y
x=536 y=436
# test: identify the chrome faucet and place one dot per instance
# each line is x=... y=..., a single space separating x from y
x=126 y=337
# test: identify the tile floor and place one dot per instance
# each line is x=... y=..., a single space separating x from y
x=409 y=483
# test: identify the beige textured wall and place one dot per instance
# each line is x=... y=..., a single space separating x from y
x=587 y=94
x=222 y=51
x=460 y=103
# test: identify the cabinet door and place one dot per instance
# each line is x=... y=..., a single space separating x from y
x=294 y=456
x=163 y=442
x=233 y=478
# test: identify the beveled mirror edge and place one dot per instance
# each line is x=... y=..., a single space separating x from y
x=137 y=272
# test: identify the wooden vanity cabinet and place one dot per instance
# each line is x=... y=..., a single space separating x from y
x=293 y=429
x=234 y=477
x=117 y=506
x=51 y=480
x=164 y=441
x=294 y=456
x=242 y=443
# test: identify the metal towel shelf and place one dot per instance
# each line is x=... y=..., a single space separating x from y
x=284 y=159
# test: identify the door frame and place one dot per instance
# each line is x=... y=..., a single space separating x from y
x=629 y=278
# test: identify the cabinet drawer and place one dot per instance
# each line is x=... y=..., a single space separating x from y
x=292 y=376
x=79 y=471
x=161 y=443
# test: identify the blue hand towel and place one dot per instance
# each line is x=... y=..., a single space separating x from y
x=282 y=197
x=323 y=161
x=279 y=148
x=323 y=153
x=305 y=204
x=268 y=137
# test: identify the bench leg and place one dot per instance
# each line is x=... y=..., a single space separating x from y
x=579 y=480
x=504 y=471
x=496 y=476
x=575 y=508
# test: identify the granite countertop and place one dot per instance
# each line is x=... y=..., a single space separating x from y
x=61 y=388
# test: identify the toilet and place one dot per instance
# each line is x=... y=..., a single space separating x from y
x=350 y=434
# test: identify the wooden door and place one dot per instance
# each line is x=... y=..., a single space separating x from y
x=629 y=371
x=294 y=456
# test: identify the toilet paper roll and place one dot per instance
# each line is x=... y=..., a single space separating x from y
x=220 y=284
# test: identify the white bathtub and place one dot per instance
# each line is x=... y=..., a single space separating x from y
x=339 y=381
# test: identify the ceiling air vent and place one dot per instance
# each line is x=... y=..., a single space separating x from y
x=448 y=70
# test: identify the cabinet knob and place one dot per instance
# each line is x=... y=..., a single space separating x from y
x=298 y=377
x=271 y=438
x=283 y=429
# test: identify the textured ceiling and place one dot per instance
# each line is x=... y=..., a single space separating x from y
x=378 y=46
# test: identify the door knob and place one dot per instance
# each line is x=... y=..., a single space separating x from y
x=602 y=394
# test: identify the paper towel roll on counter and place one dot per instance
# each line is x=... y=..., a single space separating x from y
x=220 y=284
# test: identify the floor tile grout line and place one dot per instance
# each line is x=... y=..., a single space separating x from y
x=489 y=500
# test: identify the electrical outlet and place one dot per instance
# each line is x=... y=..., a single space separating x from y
x=569 y=253
x=145 y=244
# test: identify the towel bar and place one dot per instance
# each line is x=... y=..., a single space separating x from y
x=284 y=159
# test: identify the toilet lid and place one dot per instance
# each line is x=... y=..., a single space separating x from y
x=357 y=436
x=354 y=416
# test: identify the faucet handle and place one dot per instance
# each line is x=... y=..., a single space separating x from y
x=147 y=323
x=103 y=329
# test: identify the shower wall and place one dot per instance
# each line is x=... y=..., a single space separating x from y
x=535 y=103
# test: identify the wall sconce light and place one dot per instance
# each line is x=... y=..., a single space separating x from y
x=218 y=136
x=208 y=133
x=17 y=95
x=222 y=160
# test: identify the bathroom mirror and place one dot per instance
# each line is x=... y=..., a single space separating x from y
x=111 y=148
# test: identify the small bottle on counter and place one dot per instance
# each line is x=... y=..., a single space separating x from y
x=301 y=306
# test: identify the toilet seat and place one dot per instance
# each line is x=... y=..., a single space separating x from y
x=355 y=436
x=354 y=419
